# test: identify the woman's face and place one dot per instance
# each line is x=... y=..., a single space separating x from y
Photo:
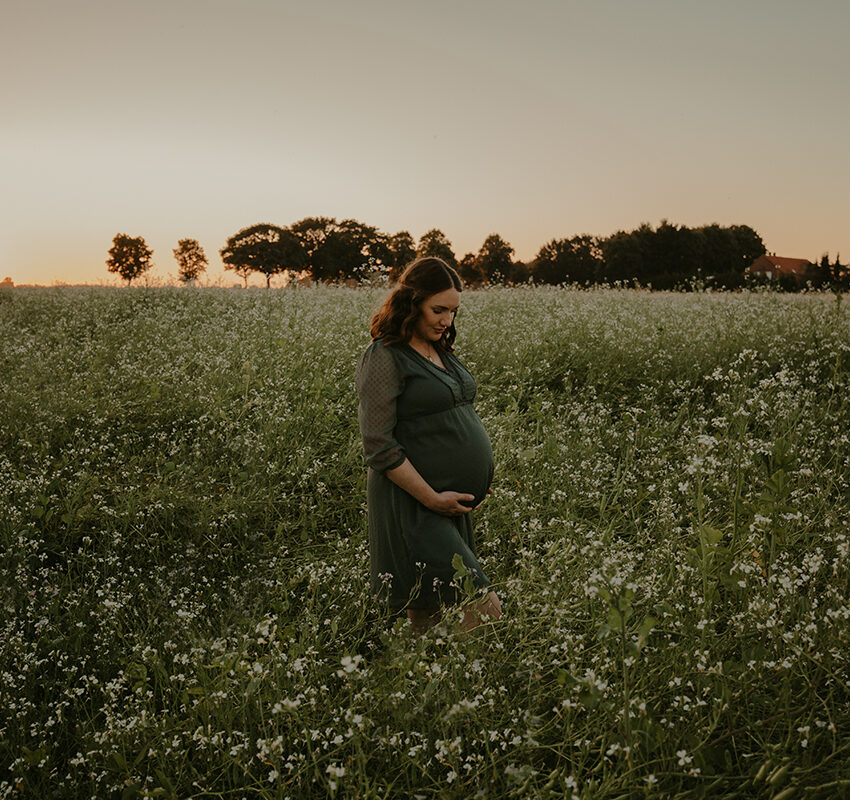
x=437 y=313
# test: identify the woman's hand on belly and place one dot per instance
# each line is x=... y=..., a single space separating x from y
x=489 y=491
x=448 y=504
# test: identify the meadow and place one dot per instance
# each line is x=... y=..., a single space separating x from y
x=183 y=552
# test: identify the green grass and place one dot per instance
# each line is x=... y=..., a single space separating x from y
x=183 y=557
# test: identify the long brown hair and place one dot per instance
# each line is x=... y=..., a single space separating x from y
x=396 y=318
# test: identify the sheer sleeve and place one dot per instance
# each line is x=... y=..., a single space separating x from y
x=378 y=385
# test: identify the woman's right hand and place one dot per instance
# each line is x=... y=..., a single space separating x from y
x=448 y=504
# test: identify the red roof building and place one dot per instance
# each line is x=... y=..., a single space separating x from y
x=771 y=266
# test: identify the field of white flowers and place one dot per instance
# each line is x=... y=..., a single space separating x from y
x=183 y=558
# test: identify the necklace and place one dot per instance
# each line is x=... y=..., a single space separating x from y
x=428 y=355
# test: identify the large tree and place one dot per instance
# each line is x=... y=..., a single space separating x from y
x=834 y=275
x=673 y=255
x=494 y=260
x=264 y=248
x=749 y=245
x=627 y=256
x=435 y=243
x=576 y=260
x=313 y=233
x=402 y=250
x=129 y=256
x=361 y=249
x=468 y=270
x=191 y=260
x=341 y=250
x=520 y=273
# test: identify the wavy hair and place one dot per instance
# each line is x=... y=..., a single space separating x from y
x=395 y=320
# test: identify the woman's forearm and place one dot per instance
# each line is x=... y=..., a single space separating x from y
x=406 y=477
x=449 y=504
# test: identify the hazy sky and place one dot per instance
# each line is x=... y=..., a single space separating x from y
x=537 y=119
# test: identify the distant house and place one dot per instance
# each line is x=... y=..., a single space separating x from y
x=773 y=266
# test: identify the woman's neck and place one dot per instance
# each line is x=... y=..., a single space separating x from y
x=420 y=344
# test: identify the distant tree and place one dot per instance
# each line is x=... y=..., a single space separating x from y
x=748 y=245
x=402 y=250
x=341 y=250
x=717 y=250
x=129 y=256
x=720 y=253
x=834 y=275
x=624 y=256
x=361 y=249
x=468 y=270
x=264 y=248
x=520 y=272
x=191 y=260
x=576 y=260
x=494 y=260
x=671 y=256
x=841 y=274
x=435 y=243
x=313 y=233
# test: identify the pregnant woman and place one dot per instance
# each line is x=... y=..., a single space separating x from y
x=429 y=457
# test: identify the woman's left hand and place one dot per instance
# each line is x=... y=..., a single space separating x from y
x=489 y=491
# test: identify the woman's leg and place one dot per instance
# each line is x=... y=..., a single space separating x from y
x=423 y=618
x=475 y=615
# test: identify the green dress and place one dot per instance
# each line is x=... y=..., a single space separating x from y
x=409 y=408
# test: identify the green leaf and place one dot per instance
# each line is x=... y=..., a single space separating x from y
x=710 y=535
x=461 y=570
x=616 y=622
x=33 y=757
x=645 y=629
x=136 y=672
x=663 y=608
x=164 y=781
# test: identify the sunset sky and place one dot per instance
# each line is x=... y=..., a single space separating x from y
x=535 y=120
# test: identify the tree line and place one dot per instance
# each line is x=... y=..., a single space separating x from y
x=326 y=250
